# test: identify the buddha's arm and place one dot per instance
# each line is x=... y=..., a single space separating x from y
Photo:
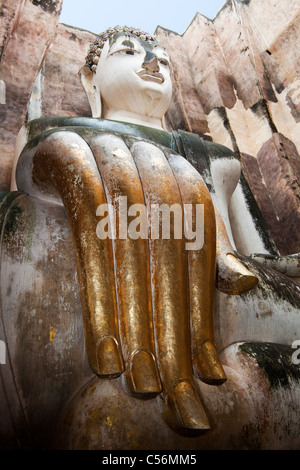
x=62 y=166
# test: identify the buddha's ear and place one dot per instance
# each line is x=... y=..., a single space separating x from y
x=92 y=91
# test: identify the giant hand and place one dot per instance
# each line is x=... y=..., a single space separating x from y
x=147 y=303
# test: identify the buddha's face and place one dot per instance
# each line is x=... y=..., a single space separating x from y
x=134 y=76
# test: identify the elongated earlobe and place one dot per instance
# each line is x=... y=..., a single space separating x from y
x=91 y=90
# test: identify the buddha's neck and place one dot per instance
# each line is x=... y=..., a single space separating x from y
x=134 y=118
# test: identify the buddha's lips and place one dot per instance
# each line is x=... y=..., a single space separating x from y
x=151 y=77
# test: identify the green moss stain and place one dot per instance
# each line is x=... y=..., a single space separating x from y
x=49 y=6
x=13 y=220
x=128 y=43
x=271 y=281
x=18 y=227
x=275 y=360
x=261 y=110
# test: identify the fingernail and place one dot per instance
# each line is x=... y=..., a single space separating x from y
x=189 y=408
x=207 y=365
x=144 y=374
x=109 y=362
x=235 y=278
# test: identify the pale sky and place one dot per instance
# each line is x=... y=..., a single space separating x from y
x=98 y=15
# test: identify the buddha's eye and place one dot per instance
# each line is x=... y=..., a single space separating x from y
x=123 y=52
x=164 y=62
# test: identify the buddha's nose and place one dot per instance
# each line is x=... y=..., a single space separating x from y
x=151 y=63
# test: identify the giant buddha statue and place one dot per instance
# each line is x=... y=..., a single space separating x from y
x=134 y=310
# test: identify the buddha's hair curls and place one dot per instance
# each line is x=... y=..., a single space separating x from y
x=96 y=47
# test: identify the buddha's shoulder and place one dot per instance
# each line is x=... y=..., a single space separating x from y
x=184 y=142
x=192 y=142
x=42 y=127
x=86 y=127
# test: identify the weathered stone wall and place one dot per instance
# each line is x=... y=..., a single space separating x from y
x=245 y=66
x=236 y=82
x=27 y=30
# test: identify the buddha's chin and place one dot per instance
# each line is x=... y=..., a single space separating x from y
x=153 y=94
x=154 y=102
x=149 y=103
x=145 y=104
